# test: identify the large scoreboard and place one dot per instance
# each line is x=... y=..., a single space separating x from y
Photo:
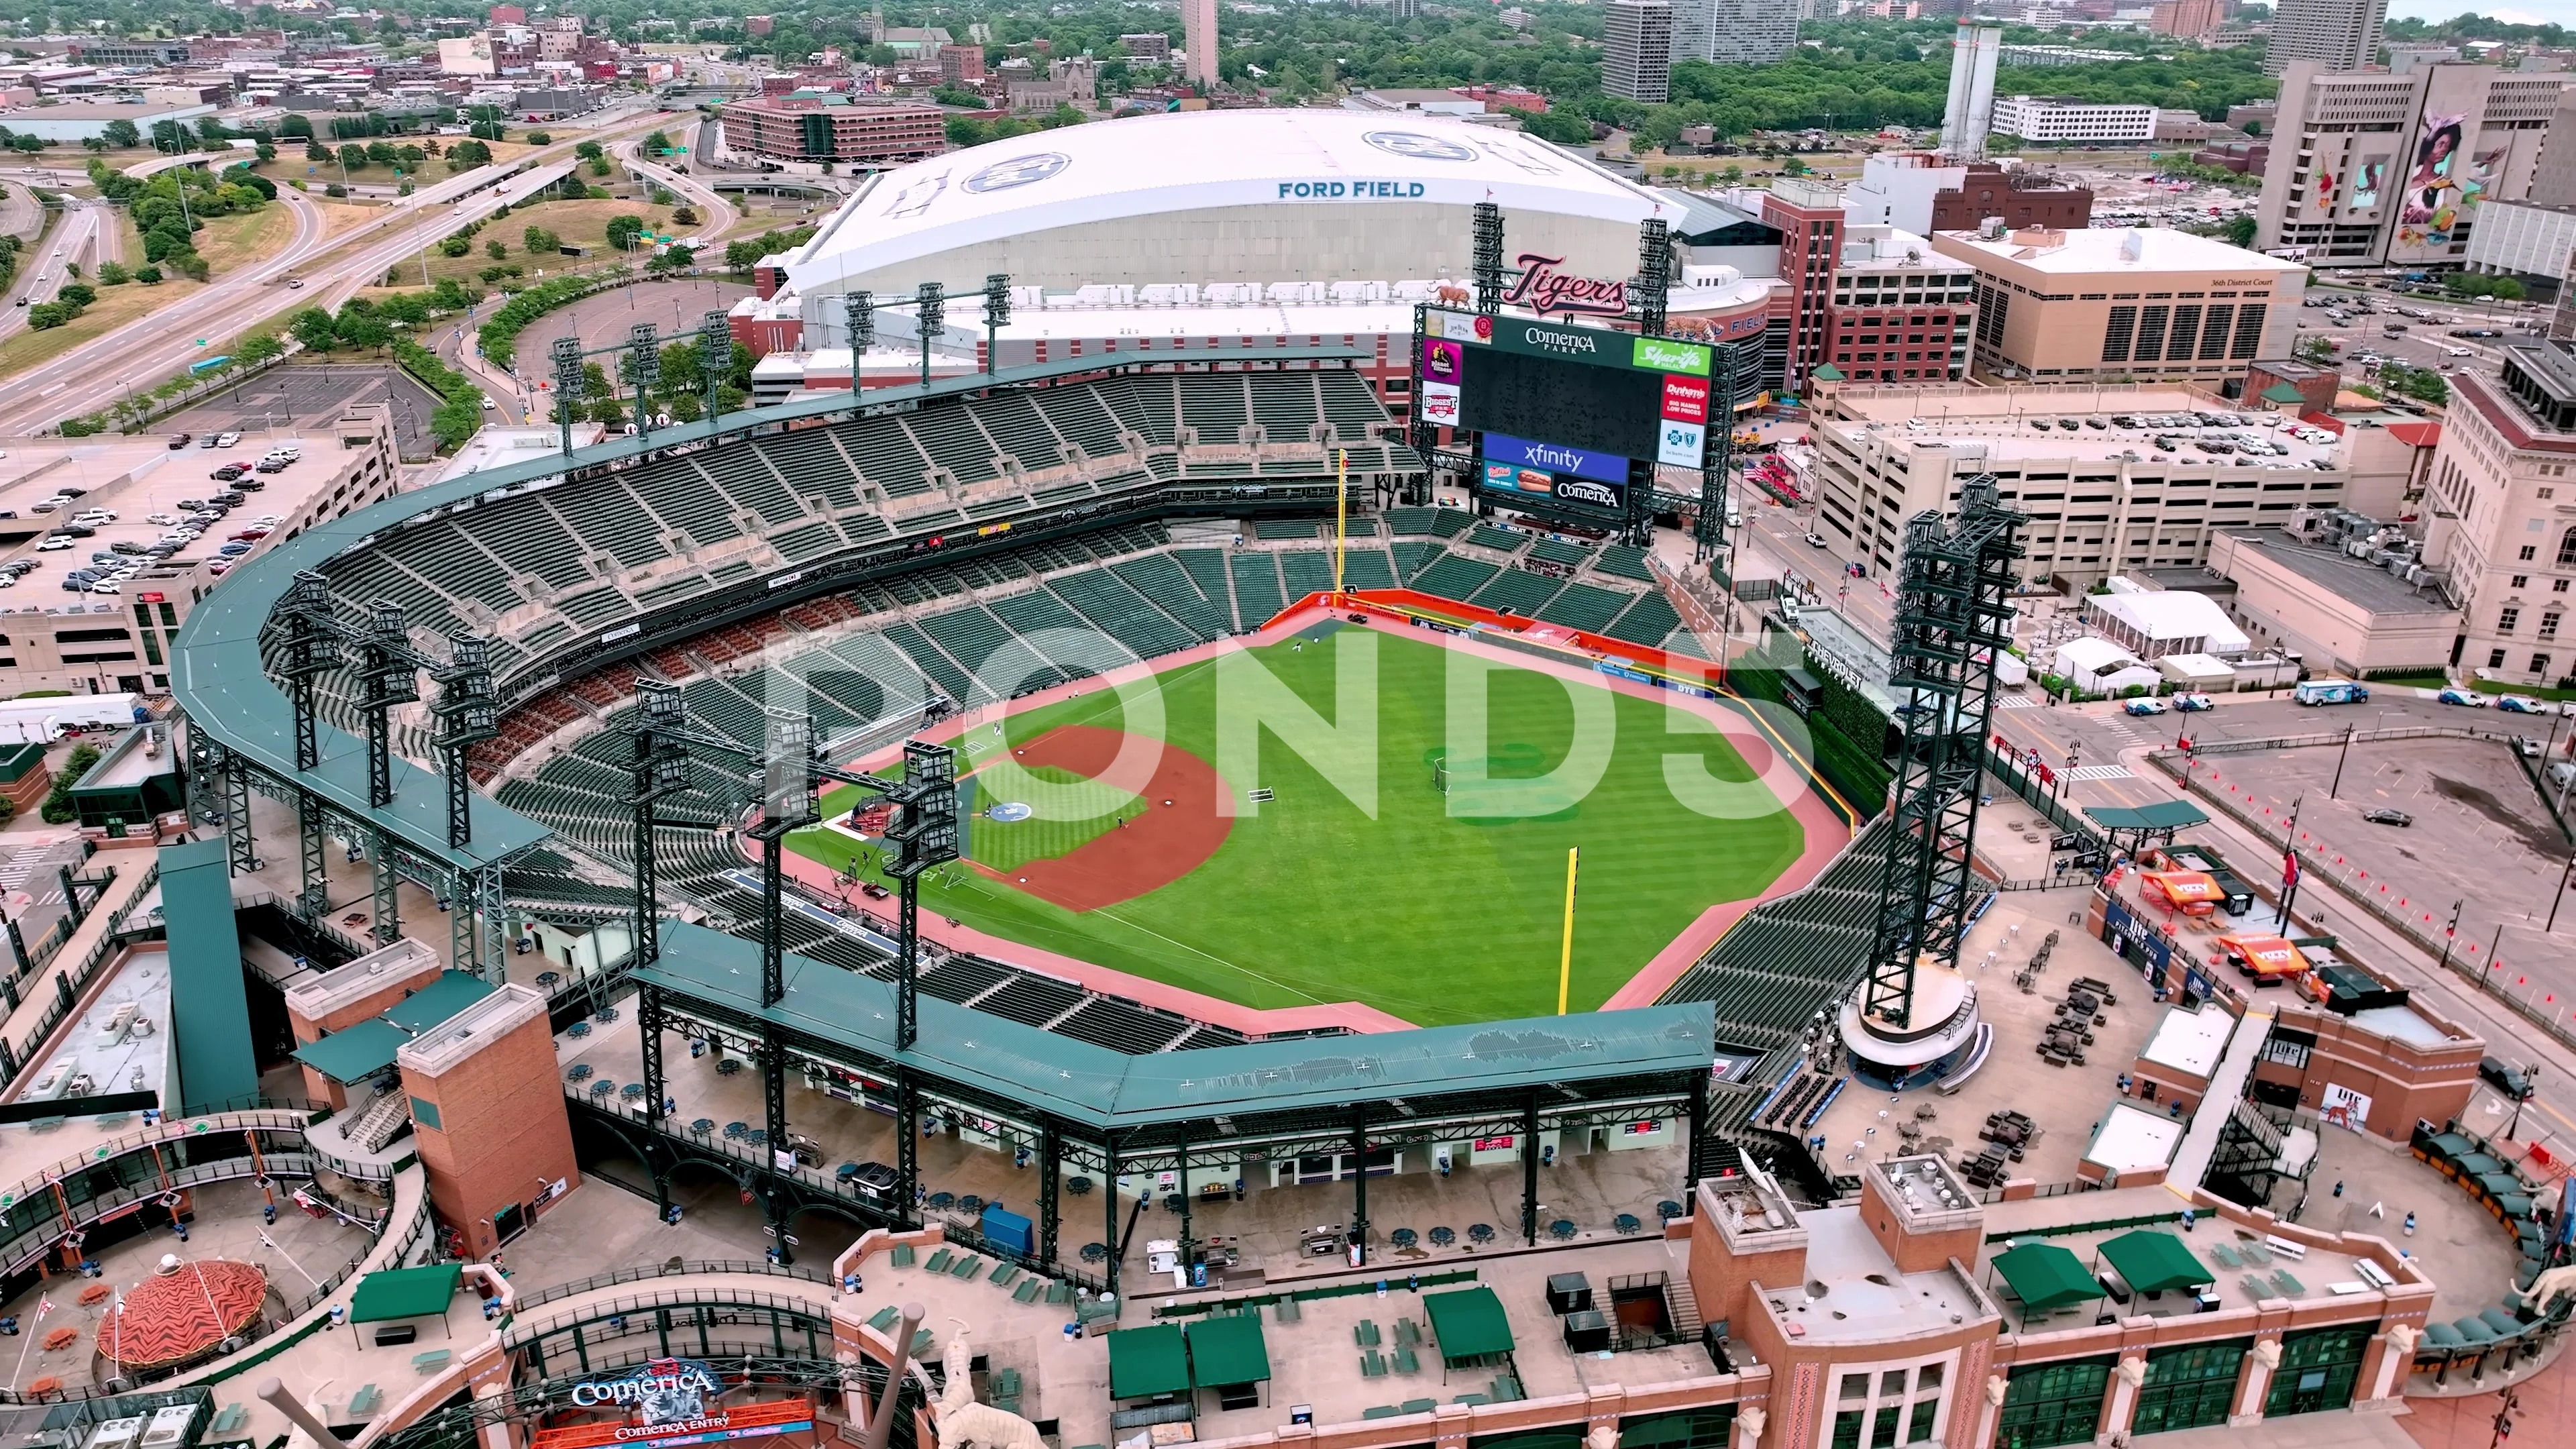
x=1567 y=416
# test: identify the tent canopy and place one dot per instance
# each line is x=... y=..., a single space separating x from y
x=2045 y=1276
x=2163 y=815
x=1469 y=1323
x=2152 y=1262
x=1147 y=1362
x=355 y=1054
x=1228 y=1350
x=404 y=1293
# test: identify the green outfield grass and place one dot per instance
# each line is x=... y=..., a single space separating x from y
x=1434 y=919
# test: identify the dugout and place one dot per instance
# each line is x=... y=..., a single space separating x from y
x=1085 y=1110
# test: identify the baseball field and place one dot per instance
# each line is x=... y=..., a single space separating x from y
x=1431 y=906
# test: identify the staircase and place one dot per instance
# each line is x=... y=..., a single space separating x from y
x=1681 y=1307
x=382 y=1122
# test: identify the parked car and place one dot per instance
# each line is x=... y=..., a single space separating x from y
x=2466 y=698
x=2191 y=703
x=181 y=440
x=2385 y=816
x=2524 y=704
x=226 y=474
x=2144 y=707
x=227 y=440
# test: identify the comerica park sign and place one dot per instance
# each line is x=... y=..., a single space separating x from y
x=664 y=1391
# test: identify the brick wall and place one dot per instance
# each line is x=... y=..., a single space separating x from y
x=501 y=1131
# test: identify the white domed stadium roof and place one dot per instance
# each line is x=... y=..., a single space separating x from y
x=1331 y=191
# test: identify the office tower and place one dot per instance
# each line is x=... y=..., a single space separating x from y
x=1749 y=32
x=2337 y=36
x=1636 y=50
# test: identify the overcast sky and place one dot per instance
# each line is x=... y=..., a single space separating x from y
x=2522 y=12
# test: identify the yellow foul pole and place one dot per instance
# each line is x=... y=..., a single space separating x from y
x=1565 y=959
x=1341 y=515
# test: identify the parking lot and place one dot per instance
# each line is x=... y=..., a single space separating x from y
x=309 y=398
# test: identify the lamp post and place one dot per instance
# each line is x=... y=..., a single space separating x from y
x=2340 y=756
x=2449 y=933
x=2530 y=1083
x=2562 y=894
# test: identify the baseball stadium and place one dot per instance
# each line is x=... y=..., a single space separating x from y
x=1138 y=846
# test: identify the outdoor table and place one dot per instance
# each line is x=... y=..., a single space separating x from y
x=703 y=1126
x=1094 y=1252
x=603 y=1088
x=1480 y=1233
x=1078 y=1186
x=578 y=1071
x=1562 y=1230
x=1403 y=1237
x=1668 y=1210
x=1626 y=1222
x=736 y=1129
x=1443 y=1237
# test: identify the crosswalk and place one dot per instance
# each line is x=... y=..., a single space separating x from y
x=2015 y=701
x=2099 y=772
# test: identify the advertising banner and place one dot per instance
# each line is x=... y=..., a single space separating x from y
x=1685 y=400
x=1537 y=485
x=1440 y=404
x=1556 y=458
x=1681 y=444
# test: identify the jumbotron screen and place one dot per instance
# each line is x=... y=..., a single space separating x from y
x=1610 y=409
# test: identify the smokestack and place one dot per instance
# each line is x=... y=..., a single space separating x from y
x=1970 y=113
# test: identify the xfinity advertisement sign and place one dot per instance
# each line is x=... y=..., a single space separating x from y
x=1555 y=458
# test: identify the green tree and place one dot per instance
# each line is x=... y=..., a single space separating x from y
x=296 y=126
x=46 y=316
x=623 y=229
x=313 y=328
x=495 y=250
x=113 y=274
x=121 y=134
x=2239 y=231
x=540 y=138
x=77 y=294
x=353 y=157
x=540 y=242
x=1565 y=128
x=588 y=150
x=58 y=804
x=466 y=155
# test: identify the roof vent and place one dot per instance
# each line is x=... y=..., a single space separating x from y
x=2133 y=245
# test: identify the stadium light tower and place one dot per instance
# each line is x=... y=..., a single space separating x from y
x=1953 y=611
x=715 y=356
x=859 y=312
x=997 y=315
x=568 y=385
x=644 y=360
x=930 y=305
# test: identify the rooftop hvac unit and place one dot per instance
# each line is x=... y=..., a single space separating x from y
x=117 y=1434
x=168 y=1427
x=1991 y=229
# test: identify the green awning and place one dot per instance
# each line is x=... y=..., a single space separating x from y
x=2282 y=392
x=404 y=1293
x=1228 y=1350
x=1826 y=372
x=451 y=993
x=1469 y=1323
x=1147 y=1362
x=2153 y=1262
x=2163 y=815
x=355 y=1054
x=2045 y=1276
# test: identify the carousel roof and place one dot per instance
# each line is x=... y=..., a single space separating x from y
x=182 y=1314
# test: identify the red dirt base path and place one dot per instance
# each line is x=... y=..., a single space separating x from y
x=1160 y=842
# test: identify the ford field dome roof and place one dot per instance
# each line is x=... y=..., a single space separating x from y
x=1199 y=196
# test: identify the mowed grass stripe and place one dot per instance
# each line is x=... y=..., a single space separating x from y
x=1313 y=898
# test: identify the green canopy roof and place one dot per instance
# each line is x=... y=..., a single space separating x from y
x=2282 y=392
x=1146 y=1362
x=1228 y=1350
x=355 y=1054
x=2152 y=1262
x=451 y=993
x=1468 y=1323
x=1825 y=372
x=2163 y=815
x=2045 y=1276
x=404 y=1293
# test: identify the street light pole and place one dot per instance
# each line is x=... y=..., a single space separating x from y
x=2530 y=1084
x=2562 y=894
x=2340 y=757
x=2449 y=933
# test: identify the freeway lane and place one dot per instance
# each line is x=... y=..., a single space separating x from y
x=87 y=236
x=94 y=374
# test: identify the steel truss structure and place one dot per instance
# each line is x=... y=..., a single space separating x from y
x=1953 y=616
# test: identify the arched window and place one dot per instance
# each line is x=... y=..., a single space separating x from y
x=2567 y=549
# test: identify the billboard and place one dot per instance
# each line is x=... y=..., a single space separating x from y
x=1570 y=414
x=2431 y=210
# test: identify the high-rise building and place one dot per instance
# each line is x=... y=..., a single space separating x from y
x=1198 y=39
x=2336 y=36
x=2553 y=176
x=2495 y=528
x=1734 y=32
x=1636 y=50
x=1970 y=112
x=2187 y=19
x=2376 y=168
x=1809 y=215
